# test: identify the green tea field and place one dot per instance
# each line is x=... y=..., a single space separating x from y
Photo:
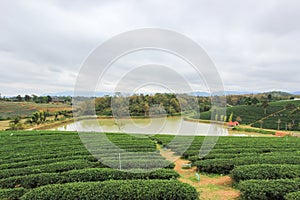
x=56 y=165
x=261 y=168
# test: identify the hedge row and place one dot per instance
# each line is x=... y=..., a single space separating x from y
x=111 y=190
x=139 y=164
x=83 y=175
x=292 y=196
x=12 y=194
x=28 y=158
x=45 y=161
x=48 y=168
x=224 y=166
x=235 y=151
x=268 y=189
x=265 y=171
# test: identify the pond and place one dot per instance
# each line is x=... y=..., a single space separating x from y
x=167 y=125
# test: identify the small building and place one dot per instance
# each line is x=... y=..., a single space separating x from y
x=233 y=124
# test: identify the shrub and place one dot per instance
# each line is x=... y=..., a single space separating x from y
x=292 y=196
x=111 y=190
x=12 y=194
x=265 y=171
x=53 y=167
x=224 y=166
x=268 y=189
x=83 y=175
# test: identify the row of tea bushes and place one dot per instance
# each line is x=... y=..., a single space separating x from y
x=48 y=168
x=293 y=196
x=83 y=175
x=265 y=171
x=111 y=190
x=268 y=189
x=224 y=166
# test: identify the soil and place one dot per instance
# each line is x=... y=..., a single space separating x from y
x=215 y=187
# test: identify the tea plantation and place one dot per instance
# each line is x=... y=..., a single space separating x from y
x=56 y=165
x=282 y=115
x=262 y=168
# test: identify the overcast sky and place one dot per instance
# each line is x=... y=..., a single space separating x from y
x=254 y=44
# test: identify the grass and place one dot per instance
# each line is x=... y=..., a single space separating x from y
x=25 y=109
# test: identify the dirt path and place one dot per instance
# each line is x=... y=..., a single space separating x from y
x=210 y=187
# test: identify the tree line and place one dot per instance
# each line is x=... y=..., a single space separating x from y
x=38 y=99
x=145 y=105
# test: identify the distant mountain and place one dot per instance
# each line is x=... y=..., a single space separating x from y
x=196 y=93
x=278 y=93
x=205 y=94
x=238 y=93
x=201 y=94
x=71 y=93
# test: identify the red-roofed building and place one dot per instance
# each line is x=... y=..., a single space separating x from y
x=232 y=124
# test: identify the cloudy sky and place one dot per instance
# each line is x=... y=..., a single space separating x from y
x=254 y=44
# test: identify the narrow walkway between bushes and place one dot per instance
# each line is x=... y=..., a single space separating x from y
x=210 y=187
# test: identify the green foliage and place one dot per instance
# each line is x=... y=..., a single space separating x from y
x=261 y=131
x=292 y=196
x=33 y=159
x=247 y=158
x=268 y=189
x=287 y=111
x=83 y=175
x=224 y=166
x=149 y=105
x=53 y=167
x=110 y=190
x=12 y=194
x=265 y=171
x=230 y=117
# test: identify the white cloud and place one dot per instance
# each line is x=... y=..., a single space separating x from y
x=254 y=44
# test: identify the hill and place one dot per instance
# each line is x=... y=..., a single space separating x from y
x=282 y=115
x=24 y=109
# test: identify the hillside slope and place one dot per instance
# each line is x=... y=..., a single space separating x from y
x=284 y=115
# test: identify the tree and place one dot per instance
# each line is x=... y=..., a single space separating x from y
x=270 y=97
x=265 y=104
x=27 y=97
x=248 y=101
x=239 y=119
x=34 y=98
x=19 y=98
x=55 y=116
x=217 y=117
x=49 y=99
x=255 y=101
x=146 y=109
x=278 y=122
x=230 y=117
x=16 y=124
x=261 y=123
x=35 y=117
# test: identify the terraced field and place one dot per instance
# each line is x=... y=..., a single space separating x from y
x=262 y=168
x=25 y=109
x=255 y=115
x=56 y=165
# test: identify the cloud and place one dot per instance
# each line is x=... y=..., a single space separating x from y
x=254 y=44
